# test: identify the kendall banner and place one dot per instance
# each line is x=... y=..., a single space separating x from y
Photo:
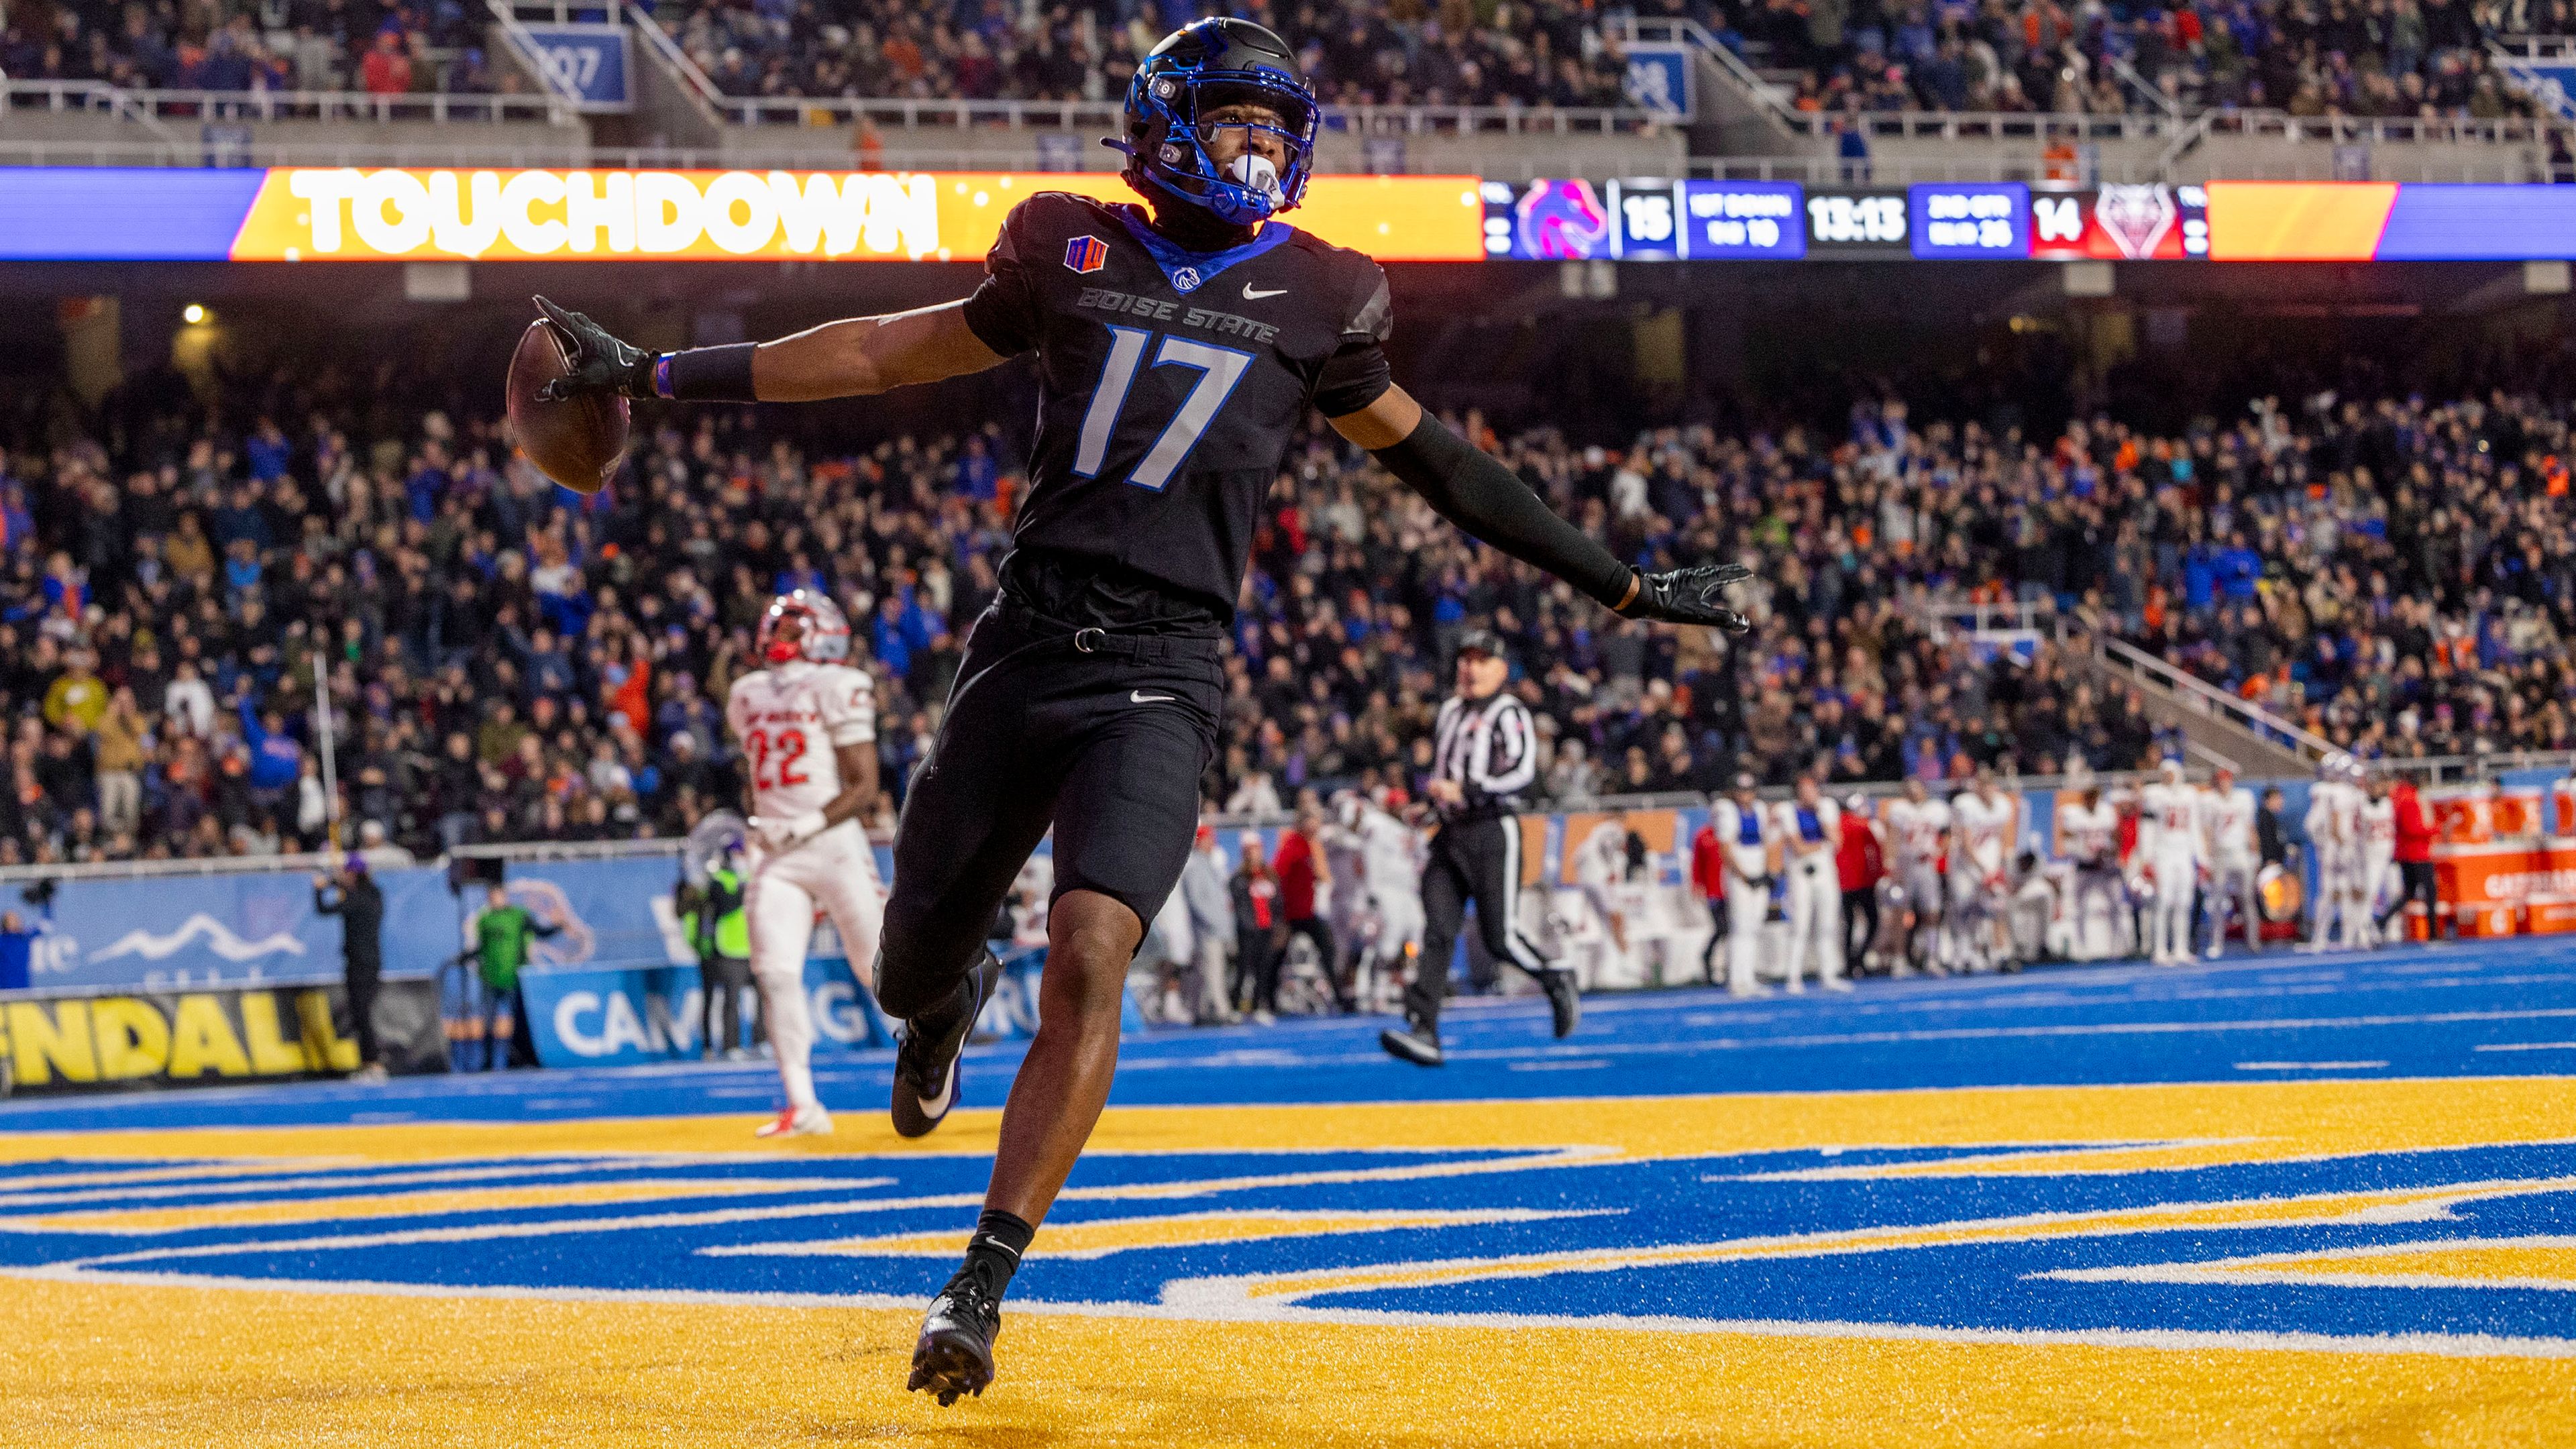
x=187 y=1038
x=315 y=214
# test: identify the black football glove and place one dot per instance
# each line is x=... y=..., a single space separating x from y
x=600 y=362
x=1689 y=596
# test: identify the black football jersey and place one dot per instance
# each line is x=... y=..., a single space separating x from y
x=1170 y=383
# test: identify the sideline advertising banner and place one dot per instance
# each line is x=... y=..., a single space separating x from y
x=623 y=1018
x=212 y=1037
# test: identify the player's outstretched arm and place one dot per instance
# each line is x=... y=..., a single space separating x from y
x=854 y=357
x=1476 y=492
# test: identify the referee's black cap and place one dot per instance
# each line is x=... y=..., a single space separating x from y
x=1481 y=641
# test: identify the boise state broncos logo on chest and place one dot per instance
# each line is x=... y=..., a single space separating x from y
x=1086 y=254
x=1186 y=279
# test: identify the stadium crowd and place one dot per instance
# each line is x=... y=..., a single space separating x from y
x=1516 y=52
x=2360 y=58
x=231 y=45
x=2315 y=58
x=509 y=661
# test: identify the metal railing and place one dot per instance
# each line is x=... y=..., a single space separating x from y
x=2534 y=47
x=693 y=82
x=2142 y=88
x=2024 y=126
x=2454 y=769
x=2211 y=700
x=149 y=107
x=2378 y=130
x=531 y=57
x=21 y=875
x=1690 y=33
x=1104 y=118
x=2514 y=164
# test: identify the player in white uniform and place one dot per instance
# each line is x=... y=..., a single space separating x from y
x=1346 y=906
x=2378 y=818
x=1385 y=858
x=2169 y=837
x=2334 y=829
x=806 y=724
x=1984 y=823
x=1811 y=832
x=2088 y=838
x=1920 y=826
x=1746 y=836
x=2227 y=833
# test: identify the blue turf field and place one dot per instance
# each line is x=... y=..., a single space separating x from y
x=2496 y=1009
x=2262 y=1160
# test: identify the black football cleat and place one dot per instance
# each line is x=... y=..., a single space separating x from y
x=955 y=1354
x=1418 y=1043
x=1564 y=1002
x=927 y=1079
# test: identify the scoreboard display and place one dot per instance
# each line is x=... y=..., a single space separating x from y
x=386 y=214
x=1648 y=219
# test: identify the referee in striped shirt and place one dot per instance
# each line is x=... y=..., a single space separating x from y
x=1485 y=755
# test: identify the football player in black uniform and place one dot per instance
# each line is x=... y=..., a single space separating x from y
x=1178 y=349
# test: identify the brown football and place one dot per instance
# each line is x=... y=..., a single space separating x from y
x=576 y=441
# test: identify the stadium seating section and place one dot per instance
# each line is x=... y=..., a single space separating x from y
x=2361 y=58
x=512 y=662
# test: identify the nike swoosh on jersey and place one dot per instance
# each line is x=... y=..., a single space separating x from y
x=1138 y=696
x=1254 y=294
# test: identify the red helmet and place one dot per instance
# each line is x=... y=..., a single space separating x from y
x=804 y=624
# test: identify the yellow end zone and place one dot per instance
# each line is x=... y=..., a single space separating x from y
x=113 y=1364
x=151 y=1367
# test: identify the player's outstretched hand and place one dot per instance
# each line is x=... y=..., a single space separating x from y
x=781 y=833
x=1689 y=596
x=600 y=362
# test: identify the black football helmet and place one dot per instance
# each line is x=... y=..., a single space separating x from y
x=1199 y=68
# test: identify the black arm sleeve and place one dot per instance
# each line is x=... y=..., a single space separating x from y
x=1481 y=496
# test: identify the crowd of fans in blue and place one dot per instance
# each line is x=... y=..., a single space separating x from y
x=510 y=661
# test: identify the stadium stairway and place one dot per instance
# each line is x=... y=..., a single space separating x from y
x=2221 y=728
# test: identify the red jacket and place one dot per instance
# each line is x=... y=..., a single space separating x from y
x=1860 y=862
x=2414 y=827
x=1708 y=864
x=1295 y=867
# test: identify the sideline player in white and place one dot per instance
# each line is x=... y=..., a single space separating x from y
x=807 y=726
x=2088 y=837
x=2169 y=836
x=1921 y=826
x=1811 y=834
x=1985 y=821
x=1746 y=837
x=2334 y=828
x=1387 y=857
x=2378 y=819
x=2227 y=829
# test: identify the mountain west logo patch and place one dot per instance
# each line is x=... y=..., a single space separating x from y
x=1086 y=254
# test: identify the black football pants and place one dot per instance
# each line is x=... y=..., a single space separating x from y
x=1471 y=860
x=1102 y=736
